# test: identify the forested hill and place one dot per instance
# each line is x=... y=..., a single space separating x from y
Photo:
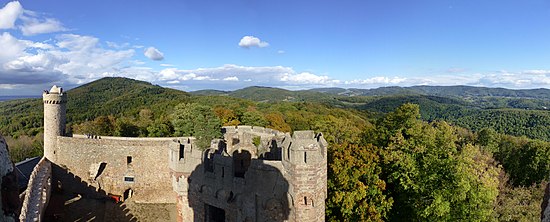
x=446 y=91
x=106 y=96
x=114 y=95
x=270 y=94
x=479 y=108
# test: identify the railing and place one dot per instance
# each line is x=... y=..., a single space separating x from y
x=38 y=192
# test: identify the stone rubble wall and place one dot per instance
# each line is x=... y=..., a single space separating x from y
x=38 y=192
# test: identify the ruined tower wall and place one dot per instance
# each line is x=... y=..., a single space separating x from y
x=305 y=166
x=115 y=164
x=55 y=106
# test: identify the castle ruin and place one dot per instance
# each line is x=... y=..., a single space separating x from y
x=251 y=174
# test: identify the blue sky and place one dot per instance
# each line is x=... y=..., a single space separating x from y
x=226 y=45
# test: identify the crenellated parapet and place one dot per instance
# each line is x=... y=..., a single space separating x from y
x=37 y=194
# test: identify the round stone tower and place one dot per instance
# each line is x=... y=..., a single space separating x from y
x=55 y=107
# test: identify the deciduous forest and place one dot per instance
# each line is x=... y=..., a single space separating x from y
x=414 y=154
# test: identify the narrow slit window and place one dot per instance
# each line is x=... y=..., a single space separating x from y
x=181 y=150
x=305 y=157
x=129 y=179
x=128 y=159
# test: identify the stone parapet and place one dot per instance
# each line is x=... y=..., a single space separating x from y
x=37 y=193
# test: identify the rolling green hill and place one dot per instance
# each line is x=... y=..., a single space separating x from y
x=470 y=107
x=106 y=96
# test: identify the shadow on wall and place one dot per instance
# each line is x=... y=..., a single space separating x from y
x=238 y=188
x=74 y=200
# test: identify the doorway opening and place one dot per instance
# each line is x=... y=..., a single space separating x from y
x=213 y=214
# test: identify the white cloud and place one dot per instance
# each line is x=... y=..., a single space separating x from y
x=117 y=45
x=251 y=41
x=9 y=14
x=276 y=76
x=33 y=23
x=70 y=58
x=281 y=51
x=377 y=80
x=166 y=65
x=153 y=54
x=307 y=78
x=34 y=26
x=11 y=47
x=231 y=78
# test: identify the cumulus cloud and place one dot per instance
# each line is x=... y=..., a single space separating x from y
x=377 y=80
x=251 y=41
x=231 y=78
x=34 y=26
x=9 y=14
x=153 y=54
x=307 y=78
x=33 y=23
x=235 y=76
x=72 y=58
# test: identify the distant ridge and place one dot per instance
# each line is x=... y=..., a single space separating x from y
x=458 y=91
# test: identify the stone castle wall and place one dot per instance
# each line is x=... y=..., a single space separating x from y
x=252 y=174
x=37 y=194
x=291 y=188
x=104 y=164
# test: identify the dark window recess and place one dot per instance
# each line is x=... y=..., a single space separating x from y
x=208 y=162
x=128 y=159
x=241 y=162
x=128 y=179
x=305 y=157
x=213 y=214
x=181 y=150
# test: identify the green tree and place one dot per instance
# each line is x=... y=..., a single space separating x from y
x=125 y=127
x=276 y=121
x=430 y=178
x=253 y=118
x=356 y=193
x=192 y=119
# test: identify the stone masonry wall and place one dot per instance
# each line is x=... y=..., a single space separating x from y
x=37 y=194
x=103 y=163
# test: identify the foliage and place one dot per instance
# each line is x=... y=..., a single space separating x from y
x=520 y=203
x=253 y=117
x=527 y=161
x=192 y=119
x=25 y=146
x=356 y=193
x=430 y=178
x=444 y=159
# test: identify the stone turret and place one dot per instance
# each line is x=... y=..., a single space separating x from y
x=55 y=108
x=305 y=162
